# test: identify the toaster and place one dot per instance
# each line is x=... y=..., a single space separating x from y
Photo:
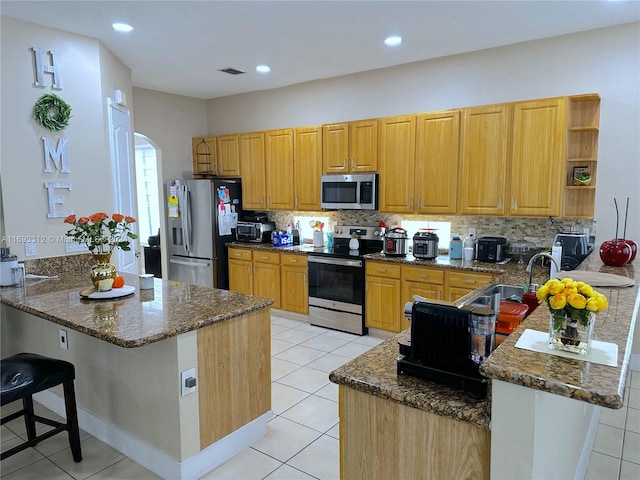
x=491 y=249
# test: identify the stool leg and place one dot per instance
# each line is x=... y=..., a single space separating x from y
x=72 y=420
x=29 y=420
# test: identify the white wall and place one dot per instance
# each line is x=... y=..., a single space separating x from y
x=170 y=121
x=84 y=66
x=605 y=61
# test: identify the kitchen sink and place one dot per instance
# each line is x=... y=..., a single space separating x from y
x=487 y=296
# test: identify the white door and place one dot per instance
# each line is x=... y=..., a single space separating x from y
x=124 y=180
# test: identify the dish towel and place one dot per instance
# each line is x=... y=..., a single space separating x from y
x=598 y=279
x=604 y=353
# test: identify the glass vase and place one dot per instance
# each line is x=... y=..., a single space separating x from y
x=570 y=334
x=102 y=273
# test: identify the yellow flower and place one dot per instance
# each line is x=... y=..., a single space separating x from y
x=558 y=301
x=570 y=290
x=592 y=305
x=567 y=280
x=603 y=303
x=577 y=301
x=542 y=293
x=555 y=286
x=587 y=290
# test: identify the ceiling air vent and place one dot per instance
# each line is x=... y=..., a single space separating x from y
x=232 y=71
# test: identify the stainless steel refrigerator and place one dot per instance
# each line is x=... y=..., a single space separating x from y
x=201 y=218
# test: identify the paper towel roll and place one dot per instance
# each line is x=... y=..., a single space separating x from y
x=556 y=254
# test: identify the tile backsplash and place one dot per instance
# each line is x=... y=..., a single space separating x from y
x=540 y=231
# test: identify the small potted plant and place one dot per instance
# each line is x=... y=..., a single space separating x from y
x=581 y=176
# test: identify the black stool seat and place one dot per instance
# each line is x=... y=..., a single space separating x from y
x=27 y=373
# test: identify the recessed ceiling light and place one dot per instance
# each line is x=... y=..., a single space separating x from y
x=263 y=69
x=393 y=41
x=122 y=27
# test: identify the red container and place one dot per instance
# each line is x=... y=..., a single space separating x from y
x=511 y=315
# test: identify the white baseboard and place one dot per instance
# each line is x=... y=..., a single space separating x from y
x=155 y=460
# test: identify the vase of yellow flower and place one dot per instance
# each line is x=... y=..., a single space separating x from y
x=102 y=235
x=573 y=307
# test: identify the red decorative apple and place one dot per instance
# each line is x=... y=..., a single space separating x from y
x=615 y=253
x=634 y=248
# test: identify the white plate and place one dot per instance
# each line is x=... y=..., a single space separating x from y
x=92 y=293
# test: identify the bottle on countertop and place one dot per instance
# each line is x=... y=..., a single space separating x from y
x=470 y=242
x=455 y=248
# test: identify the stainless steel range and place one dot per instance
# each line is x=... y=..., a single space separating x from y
x=336 y=278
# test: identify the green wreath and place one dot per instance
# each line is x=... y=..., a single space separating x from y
x=52 y=112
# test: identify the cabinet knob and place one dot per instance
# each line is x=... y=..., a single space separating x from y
x=353 y=163
x=344 y=163
x=500 y=203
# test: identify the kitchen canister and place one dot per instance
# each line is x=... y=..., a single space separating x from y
x=455 y=248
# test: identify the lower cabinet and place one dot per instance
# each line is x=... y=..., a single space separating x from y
x=294 y=286
x=458 y=283
x=382 y=296
x=389 y=286
x=281 y=276
x=255 y=273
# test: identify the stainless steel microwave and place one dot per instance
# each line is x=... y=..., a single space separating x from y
x=350 y=192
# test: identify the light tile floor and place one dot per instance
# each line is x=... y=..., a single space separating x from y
x=302 y=437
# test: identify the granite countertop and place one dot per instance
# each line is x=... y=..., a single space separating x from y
x=144 y=317
x=374 y=372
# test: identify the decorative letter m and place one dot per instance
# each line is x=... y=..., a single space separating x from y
x=58 y=155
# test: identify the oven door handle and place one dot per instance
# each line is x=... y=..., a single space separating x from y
x=335 y=261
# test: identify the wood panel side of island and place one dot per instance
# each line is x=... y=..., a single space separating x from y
x=234 y=374
x=382 y=439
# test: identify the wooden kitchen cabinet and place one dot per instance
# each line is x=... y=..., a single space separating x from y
x=278 y=146
x=240 y=271
x=539 y=132
x=484 y=161
x=260 y=276
x=204 y=156
x=397 y=159
x=295 y=286
x=307 y=166
x=228 y=155
x=253 y=165
x=423 y=281
x=437 y=160
x=383 y=296
x=460 y=282
x=350 y=147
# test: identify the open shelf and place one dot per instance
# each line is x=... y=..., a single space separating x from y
x=583 y=122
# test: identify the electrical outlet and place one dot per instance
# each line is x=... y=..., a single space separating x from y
x=64 y=340
x=472 y=231
x=71 y=246
x=30 y=249
x=188 y=381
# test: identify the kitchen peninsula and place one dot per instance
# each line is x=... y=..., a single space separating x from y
x=129 y=354
x=537 y=422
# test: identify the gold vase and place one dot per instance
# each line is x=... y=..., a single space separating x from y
x=103 y=273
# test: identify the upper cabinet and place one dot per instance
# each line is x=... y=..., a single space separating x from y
x=537 y=158
x=437 y=159
x=253 y=164
x=484 y=162
x=397 y=159
x=307 y=166
x=228 y=155
x=278 y=147
x=204 y=155
x=581 y=156
x=350 y=147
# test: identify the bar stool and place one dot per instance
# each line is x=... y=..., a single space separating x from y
x=27 y=373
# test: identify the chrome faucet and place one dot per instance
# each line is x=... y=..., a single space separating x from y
x=530 y=266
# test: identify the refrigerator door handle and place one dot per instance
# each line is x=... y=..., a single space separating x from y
x=185 y=200
x=189 y=264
